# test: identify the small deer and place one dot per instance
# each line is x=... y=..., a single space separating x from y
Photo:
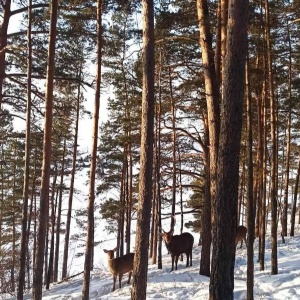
x=119 y=266
x=178 y=244
x=241 y=232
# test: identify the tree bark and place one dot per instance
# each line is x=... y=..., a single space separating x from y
x=273 y=175
x=224 y=226
x=139 y=286
x=24 y=233
x=90 y=226
x=44 y=197
x=213 y=114
x=250 y=202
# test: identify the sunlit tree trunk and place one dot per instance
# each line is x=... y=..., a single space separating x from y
x=140 y=269
x=213 y=114
x=90 y=226
x=44 y=196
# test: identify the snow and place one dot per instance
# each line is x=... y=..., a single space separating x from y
x=187 y=284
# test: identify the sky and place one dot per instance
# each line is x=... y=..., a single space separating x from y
x=186 y=283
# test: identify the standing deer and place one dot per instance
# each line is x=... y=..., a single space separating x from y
x=241 y=232
x=119 y=266
x=178 y=244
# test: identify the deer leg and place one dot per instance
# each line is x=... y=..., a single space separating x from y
x=191 y=258
x=176 y=261
x=187 y=259
x=114 y=285
x=172 y=263
x=128 y=282
x=120 y=281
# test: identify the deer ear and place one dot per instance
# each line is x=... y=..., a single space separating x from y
x=105 y=250
x=115 y=249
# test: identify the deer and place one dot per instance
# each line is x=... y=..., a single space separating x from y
x=178 y=244
x=119 y=266
x=241 y=232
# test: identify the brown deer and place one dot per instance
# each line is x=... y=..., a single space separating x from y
x=119 y=266
x=241 y=232
x=178 y=244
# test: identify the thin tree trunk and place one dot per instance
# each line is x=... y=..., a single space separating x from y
x=262 y=237
x=24 y=233
x=44 y=197
x=29 y=220
x=293 y=215
x=139 y=286
x=49 y=277
x=59 y=208
x=250 y=206
x=69 y=214
x=288 y=144
x=173 y=150
x=90 y=225
x=158 y=163
x=273 y=195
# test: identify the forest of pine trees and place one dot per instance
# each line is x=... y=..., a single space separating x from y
x=202 y=124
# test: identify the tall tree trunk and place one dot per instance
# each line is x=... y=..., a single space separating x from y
x=225 y=217
x=69 y=214
x=90 y=225
x=273 y=195
x=173 y=150
x=130 y=195
x=250 y=204
x=158 y=164
x=24 y=233
x=44 y=197
x=140 y=268
x=262 y=236
x=288 y=142
x=213 y=114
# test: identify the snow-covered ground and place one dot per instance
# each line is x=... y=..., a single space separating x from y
x=187 y=284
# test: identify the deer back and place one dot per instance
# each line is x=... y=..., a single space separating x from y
x=120 y=265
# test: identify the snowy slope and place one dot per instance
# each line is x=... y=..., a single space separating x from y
x=187 y=284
